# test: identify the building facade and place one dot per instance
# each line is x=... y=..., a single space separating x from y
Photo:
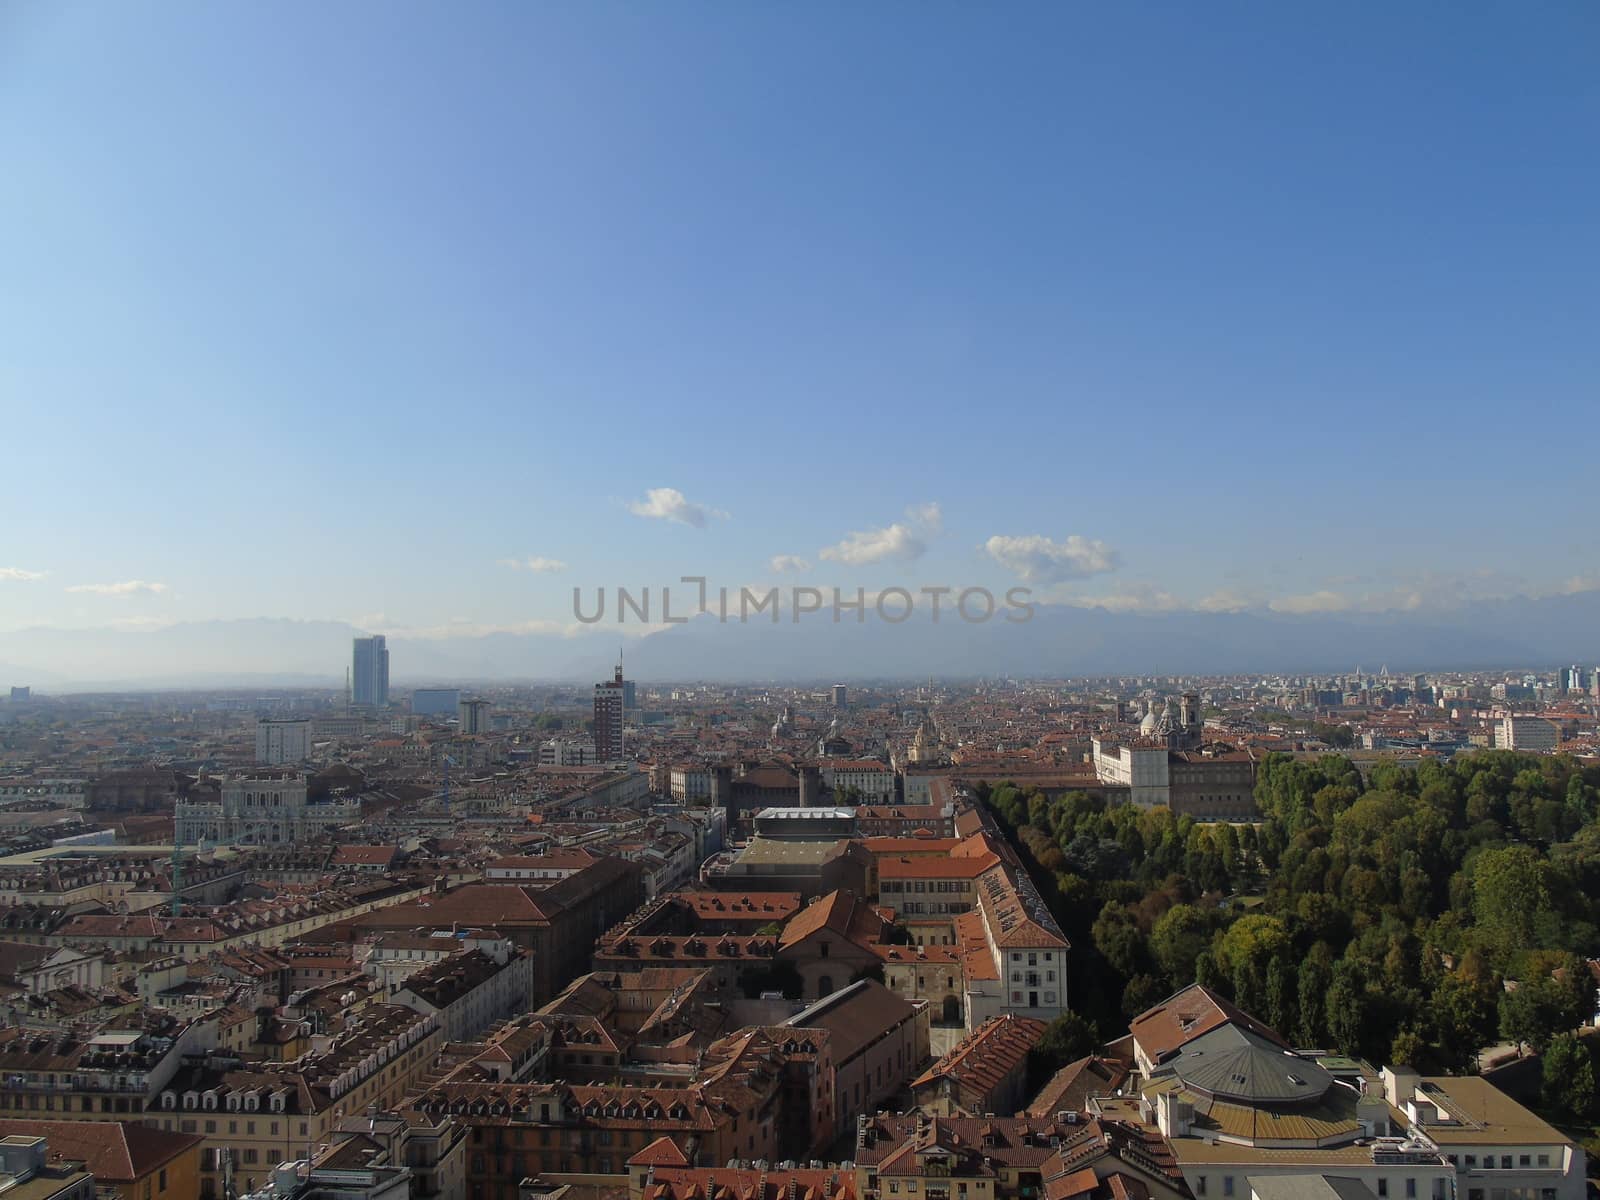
x=608 y=710
x=369 y=672
x=282 y=742
x=261 y=809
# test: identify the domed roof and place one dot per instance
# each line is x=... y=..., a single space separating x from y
x=1231 y=1063
x=1148 y=725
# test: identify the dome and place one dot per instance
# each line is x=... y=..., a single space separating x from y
x=1148 y=725
x=1236 y=1065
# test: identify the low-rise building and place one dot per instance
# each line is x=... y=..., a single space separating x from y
x=986 y=1072
x=128 y=1160
x=879 y=1042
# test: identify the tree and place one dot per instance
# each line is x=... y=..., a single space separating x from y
x=1249 y=990
x=1066 y=1039
x=1316 y=977
x=1347 y=1008
x=1569 y=1078
x=1464 y=1017
x=1252 y=940
x=1280 y=1005
x=1538 y=1009
x=1176 y=940
x=1408 y=1049
x=1511 y=895
x=1143 y=992
x=1207 y=974
x=1119 y=940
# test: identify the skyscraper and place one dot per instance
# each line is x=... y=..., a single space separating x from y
x=369 y=673
x=841 y=696
x=473 y=716
x=608 y=698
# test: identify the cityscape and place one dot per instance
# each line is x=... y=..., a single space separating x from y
x=810 y=601
x=1162 y=936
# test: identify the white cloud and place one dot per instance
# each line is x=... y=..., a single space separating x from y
x=669 y=504
x=20 y=575
x=782 y=563
x=538 y=564
x=1312 y=602
x=1034 y=558
x=1227 y=601
x=929 y=516
x=1138 y=597
x=895 y=541
x=128 y=587
x=902 y=541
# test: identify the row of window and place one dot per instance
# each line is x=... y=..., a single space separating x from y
x=924 y=885
x=1523 y=1160
x=1049 y=998
x=233 y=1127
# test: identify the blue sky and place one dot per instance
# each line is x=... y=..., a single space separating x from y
x=329 y=311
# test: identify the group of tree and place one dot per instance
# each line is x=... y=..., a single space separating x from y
x=1411 y=915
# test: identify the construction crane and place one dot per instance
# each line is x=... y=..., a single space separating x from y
x=177 y=878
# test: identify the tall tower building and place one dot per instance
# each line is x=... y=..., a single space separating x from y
x=841 y=696
x=370 y=672
x=608 y=704
x=473 y=716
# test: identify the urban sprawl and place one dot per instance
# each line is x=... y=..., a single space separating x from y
x=1226 y=938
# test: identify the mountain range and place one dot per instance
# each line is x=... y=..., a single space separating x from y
x=1060 y=641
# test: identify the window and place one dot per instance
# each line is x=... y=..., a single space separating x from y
x=1383 y=1186
x=1227 y=1185
x=161 y=1179
x=1525 y=1161
x=1544 y=1160
x=1505 y=1162
x=1411 y=1189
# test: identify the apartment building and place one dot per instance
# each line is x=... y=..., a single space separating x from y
x=104 y=1075
x=986 y=1072
x=253 y=1117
